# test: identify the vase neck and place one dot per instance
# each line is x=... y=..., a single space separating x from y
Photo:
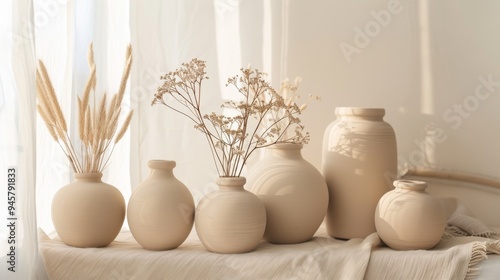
x=161 y=167
x=88 y=177
x=286 y=150
x=231 y=183
x=410 y=185
x=357 y=113
x=161 y=172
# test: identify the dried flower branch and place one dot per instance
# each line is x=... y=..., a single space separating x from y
x=289 y=95
x=232 y=139
x=96 y=125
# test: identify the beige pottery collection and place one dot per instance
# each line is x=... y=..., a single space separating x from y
x=230 y=219
x=293 y=191
x=359 y=162
x=160 y=211
x=408 y=218
x=88 y=212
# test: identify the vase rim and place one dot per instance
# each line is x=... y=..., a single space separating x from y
x=286 y=146
x=359 y=111
x=88 y=175
x=161 y=164
x=410 y=184
x=231 y=181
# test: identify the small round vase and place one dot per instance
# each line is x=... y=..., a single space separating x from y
x=359 y=158
x=408 y=218
x=230 y=220
x=88 y=212
x=161 y=210
x=293 y=191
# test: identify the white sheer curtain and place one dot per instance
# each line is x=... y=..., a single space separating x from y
x=18 y=236
x=420 y=60
x=163 y=35
x=64 y=31
x=60 y=32
x=228 y=35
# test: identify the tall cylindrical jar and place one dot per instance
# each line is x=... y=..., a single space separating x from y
x=293 y=191
x=231 y=219
x=359 y=164
x=408 y=218
x=88 y=212
x=161 y=210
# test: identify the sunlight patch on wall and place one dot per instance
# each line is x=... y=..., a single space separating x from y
x=227 y=29
x=284 y=38
x=267 y=41
x=426 y=101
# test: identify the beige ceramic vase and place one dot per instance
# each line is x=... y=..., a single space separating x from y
x=160 y=211
x=230 y=220
x=293 y=191
x=408 y=218
x=88 y=212
x=359 y=162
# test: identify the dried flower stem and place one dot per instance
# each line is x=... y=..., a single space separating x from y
x=232 y=139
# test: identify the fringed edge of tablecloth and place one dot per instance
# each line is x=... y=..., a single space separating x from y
x=456 y=231
x=478 y=254
x=480 y=249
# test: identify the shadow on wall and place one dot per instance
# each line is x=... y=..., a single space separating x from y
x=432 y=65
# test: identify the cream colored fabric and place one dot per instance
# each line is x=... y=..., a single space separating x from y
x=322 y=258
x=464 y=245
x=455 y=257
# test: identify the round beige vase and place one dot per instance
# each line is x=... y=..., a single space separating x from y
x=408 y=218
x=230 y=220
x=293 y=191
x=359 y=165
x=88 y=212
x=160 y=211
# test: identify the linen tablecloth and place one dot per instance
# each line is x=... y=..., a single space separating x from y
x=456 y=257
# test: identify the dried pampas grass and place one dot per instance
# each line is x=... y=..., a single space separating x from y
x=97 y=125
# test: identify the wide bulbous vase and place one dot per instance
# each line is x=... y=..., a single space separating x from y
x=359 y=165
x=160 y=211
x=294 y=193
x=231 y=219
x=408 y=218
x=88 y=212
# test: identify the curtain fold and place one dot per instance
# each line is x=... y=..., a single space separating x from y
x=65 y=34
x=19 y=242
x=228 y=35
x=164 y=35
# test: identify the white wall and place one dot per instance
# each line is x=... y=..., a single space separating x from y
x=428 y=59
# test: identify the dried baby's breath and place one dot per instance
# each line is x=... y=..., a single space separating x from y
x=290 y=109
x=96 y=126
x=232 y=139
